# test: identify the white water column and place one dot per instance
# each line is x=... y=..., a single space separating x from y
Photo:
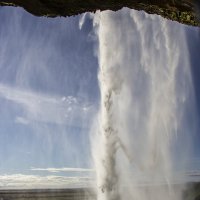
x=145 y=80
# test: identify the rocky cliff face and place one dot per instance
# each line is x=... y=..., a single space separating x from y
x=183 y=11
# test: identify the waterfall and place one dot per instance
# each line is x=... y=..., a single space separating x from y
x=144 y=82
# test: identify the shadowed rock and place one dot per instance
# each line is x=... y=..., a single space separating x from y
x=183 y=11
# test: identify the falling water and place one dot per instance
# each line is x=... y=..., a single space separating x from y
x=144 y=84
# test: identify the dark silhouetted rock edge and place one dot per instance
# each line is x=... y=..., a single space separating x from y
x=182 y=11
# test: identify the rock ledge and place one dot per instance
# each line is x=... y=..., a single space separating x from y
x=182 y=11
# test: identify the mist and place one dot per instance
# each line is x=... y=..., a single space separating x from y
x=147 y=105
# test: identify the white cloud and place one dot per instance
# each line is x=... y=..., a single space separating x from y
x=54 y=170
x=18 y=181
x=43 y=108
x=21 y=120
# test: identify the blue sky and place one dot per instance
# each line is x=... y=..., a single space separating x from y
x=49 y=93
x=193 y=41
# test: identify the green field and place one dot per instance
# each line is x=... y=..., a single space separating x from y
x=192 y=192
x=47 y=194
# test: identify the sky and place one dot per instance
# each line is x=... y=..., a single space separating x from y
x=49 y=95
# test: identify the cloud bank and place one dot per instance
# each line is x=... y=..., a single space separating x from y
x=22 y=181
x=55 y=170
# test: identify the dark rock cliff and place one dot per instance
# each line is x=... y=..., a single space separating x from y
x=183 y=11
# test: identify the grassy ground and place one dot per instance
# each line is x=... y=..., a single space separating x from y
x=192 y=192
x=47 y=194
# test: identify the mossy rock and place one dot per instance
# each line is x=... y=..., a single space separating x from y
x=182 y=11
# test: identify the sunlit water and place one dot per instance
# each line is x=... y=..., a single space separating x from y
x=145 y=82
